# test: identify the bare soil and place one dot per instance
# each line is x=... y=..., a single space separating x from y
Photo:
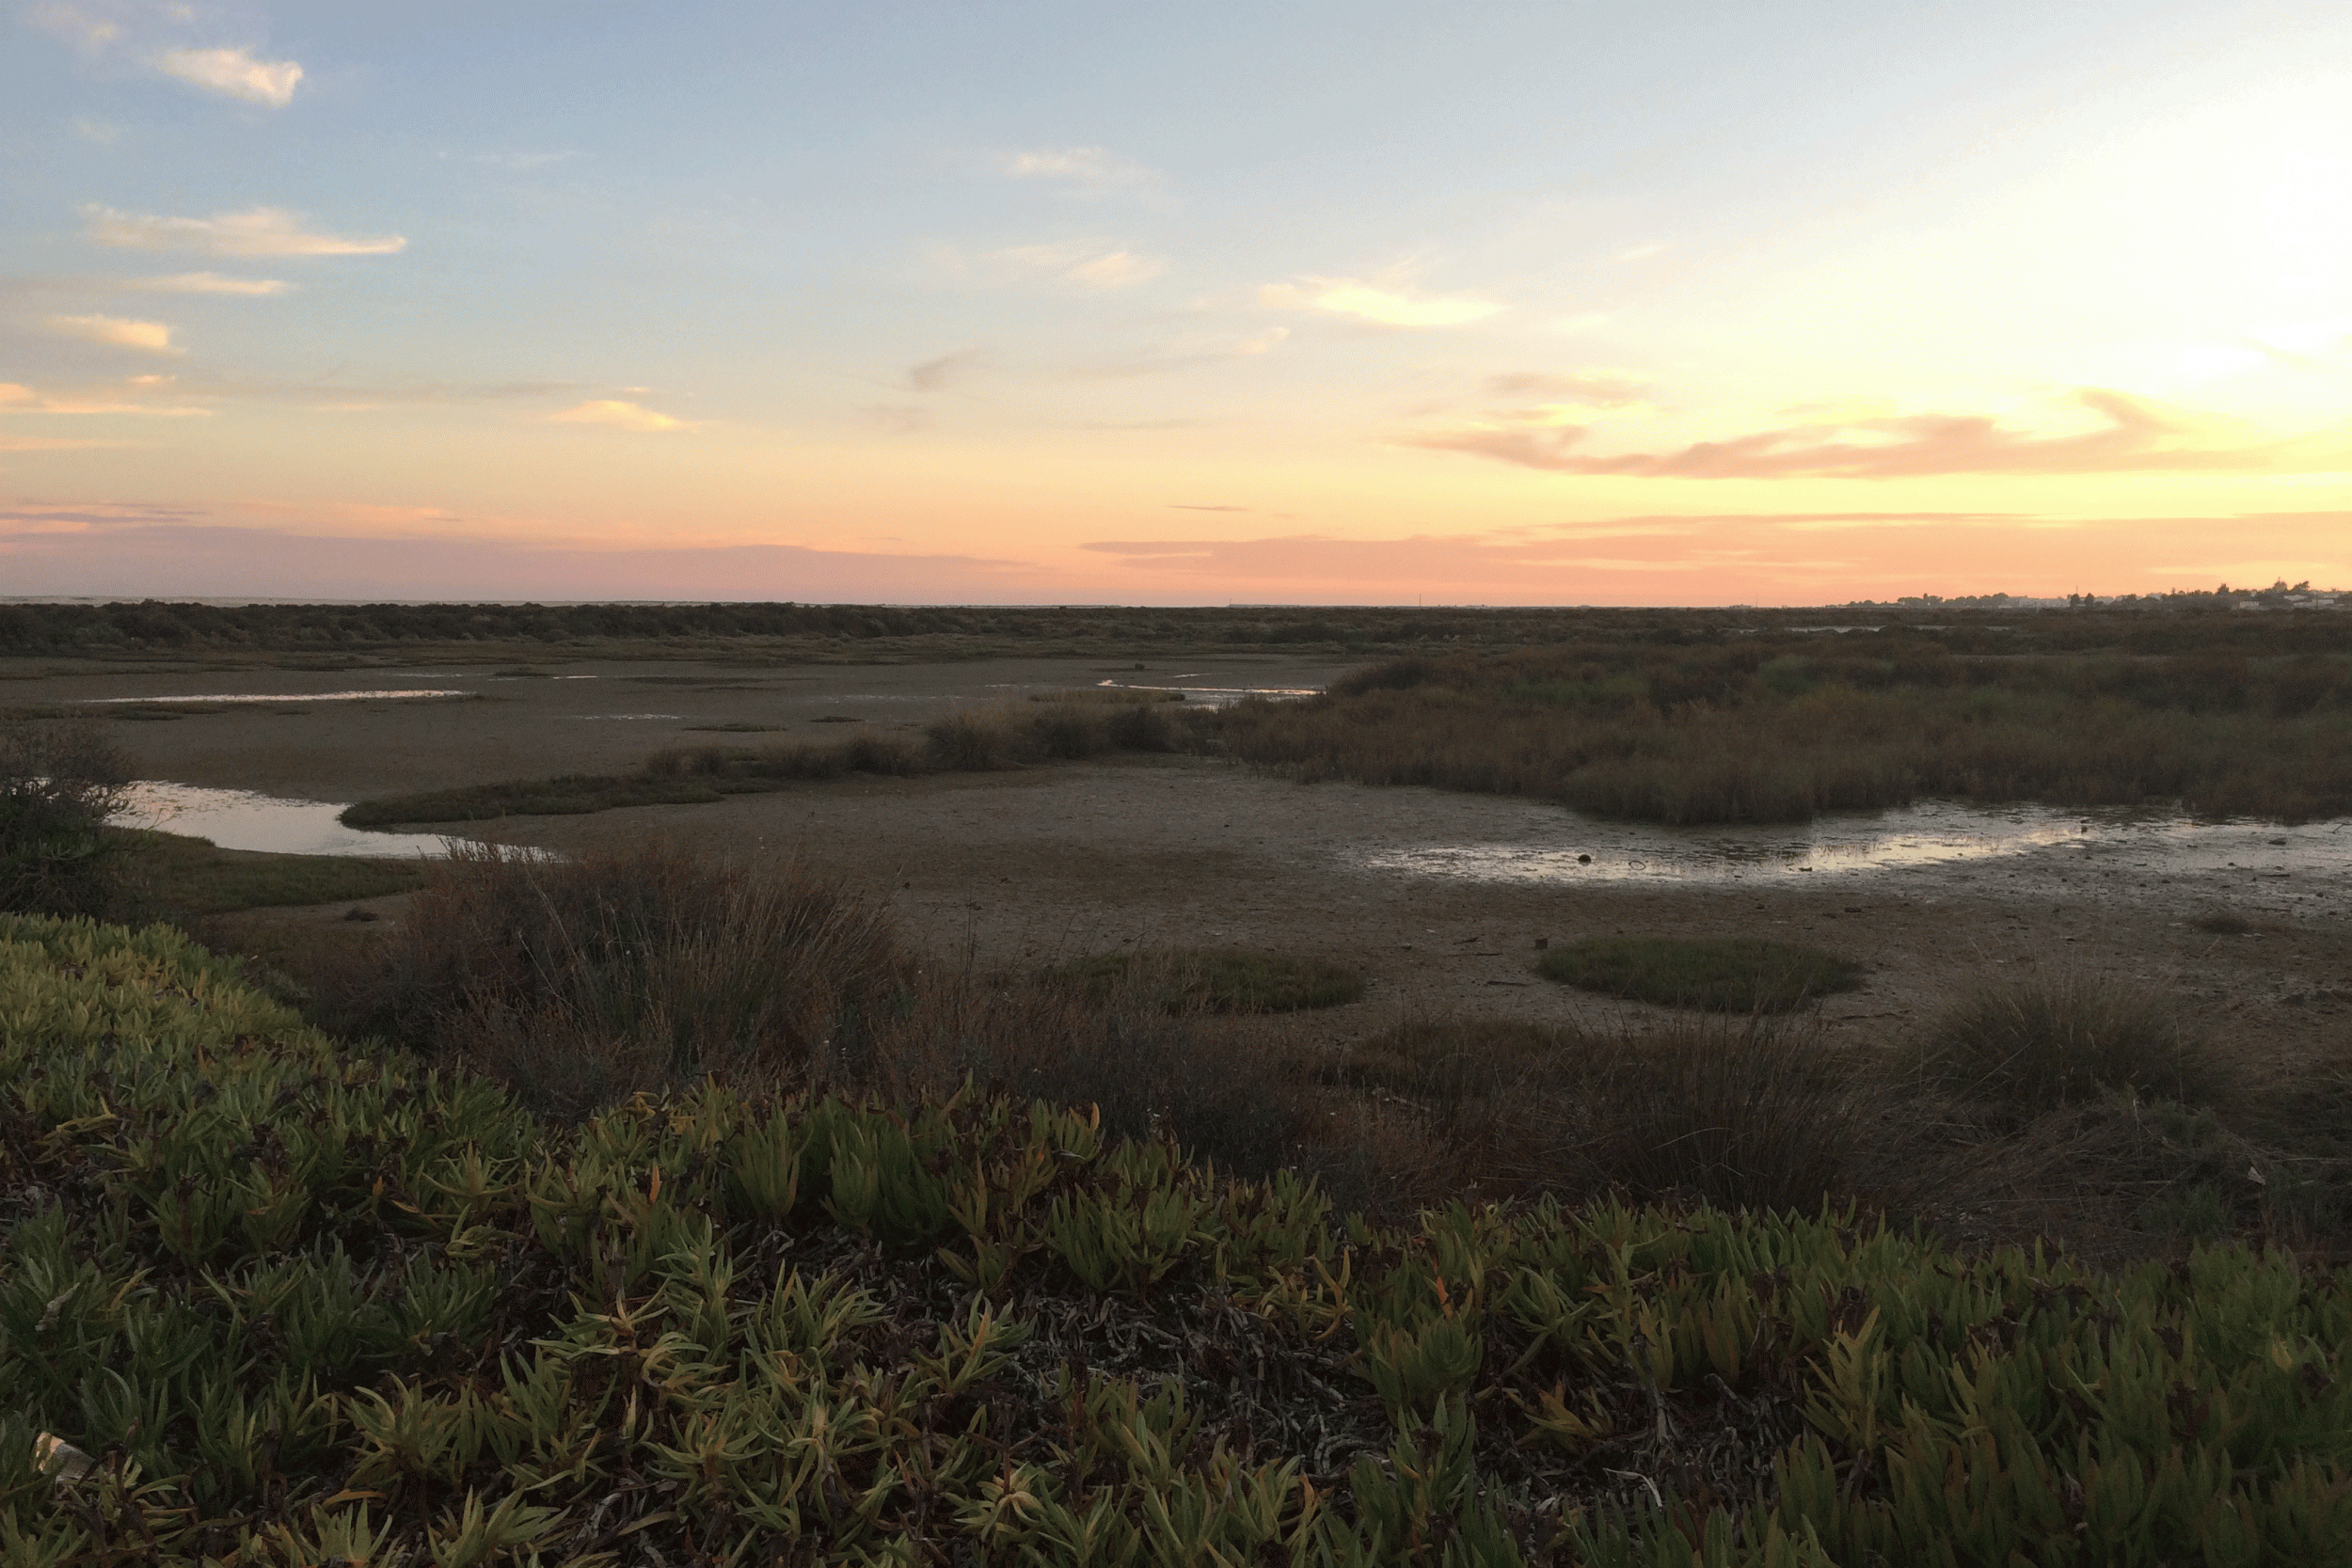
x=1038 y=866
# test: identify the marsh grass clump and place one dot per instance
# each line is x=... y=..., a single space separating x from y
x=1217 y=979
x=1721 y=974
x=585 y=979
x=2221 y=921
x=60 y=780
x=2048 y=1039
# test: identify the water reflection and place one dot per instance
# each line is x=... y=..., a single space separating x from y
x=1218 y=696
x=241 y=820
x=276 y=697
x=1572 y=848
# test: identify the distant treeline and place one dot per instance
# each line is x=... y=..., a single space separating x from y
x=2173 y=624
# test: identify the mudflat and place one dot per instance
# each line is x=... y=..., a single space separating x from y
x=1033 y=866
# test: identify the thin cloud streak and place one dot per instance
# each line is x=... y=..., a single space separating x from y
x=620 y=414
x=206 y=283
x=256 y=231
x=1376 y=302
x=1077 y=166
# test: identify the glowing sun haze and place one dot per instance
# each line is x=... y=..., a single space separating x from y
x=1591 y=302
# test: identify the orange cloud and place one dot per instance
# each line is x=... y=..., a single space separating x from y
x=2136 y=435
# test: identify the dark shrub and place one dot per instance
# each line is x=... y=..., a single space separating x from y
x=1723 y=974
x=60 y=780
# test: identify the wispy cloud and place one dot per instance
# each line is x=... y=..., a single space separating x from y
x=1090 y=265
x=118 y=332
x=1077 y=166
x=1182 y=354
x=235 y=73
x=2131 y=435
x=937 y=375
x=625 y=415
x=258 y=231
x=74 y=24
x=1380 y=303
x=124 y=397
x=206 y=283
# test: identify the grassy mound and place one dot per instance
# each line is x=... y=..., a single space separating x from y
x=294 y=1304
x=1721 y=975
x=1218 y=979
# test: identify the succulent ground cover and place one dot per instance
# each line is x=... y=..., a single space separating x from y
x=300 y=1303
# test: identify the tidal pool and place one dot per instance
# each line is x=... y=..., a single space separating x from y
x=274 y=697
x=241 y=820
x=1569 y=847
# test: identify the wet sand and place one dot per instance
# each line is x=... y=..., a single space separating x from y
x=1025 y=867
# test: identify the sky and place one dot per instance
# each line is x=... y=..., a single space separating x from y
x=1578 y=302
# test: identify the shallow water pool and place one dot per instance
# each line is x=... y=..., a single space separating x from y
x=1567 y=846
x=242 y=820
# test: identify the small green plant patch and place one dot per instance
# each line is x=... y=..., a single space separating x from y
x=184 y=876
x=1721 y=974
x=1220 y=979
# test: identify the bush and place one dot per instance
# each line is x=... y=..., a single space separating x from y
x=1755 y=1114
x=586 y=979
x=1721 y=975
x=2044 y=1041
x=60 y=780
x=1218 y=979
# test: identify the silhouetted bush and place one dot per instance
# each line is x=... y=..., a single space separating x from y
x=60 y=780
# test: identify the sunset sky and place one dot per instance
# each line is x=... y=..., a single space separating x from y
x=1585 y=302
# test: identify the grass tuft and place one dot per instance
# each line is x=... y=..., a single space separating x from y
x=1721 y=975
x=2048 y=1040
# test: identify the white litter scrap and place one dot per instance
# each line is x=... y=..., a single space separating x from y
x=61 y=1459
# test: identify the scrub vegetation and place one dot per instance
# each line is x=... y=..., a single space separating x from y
x=1778 y=727
x=267 y=1299
x=985 y=740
